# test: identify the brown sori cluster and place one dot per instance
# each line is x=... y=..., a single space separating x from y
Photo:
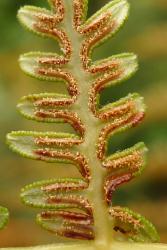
x=77 y=222
x=113 y=127
x=75 y=225
x=64 y=115
x=78 y=159
x=120 y=170
x=133 y=225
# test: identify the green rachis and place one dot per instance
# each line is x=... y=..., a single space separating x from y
x=81 y=208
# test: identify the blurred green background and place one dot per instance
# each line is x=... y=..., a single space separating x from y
x=145 y=33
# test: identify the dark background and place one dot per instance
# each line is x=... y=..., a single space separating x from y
x=145 y=33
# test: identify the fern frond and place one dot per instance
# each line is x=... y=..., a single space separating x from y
x=78 y=208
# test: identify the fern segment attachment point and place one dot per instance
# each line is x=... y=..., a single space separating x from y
x=81 y=208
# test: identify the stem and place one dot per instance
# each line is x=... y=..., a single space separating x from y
x=93 y=126
x=113 y=246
